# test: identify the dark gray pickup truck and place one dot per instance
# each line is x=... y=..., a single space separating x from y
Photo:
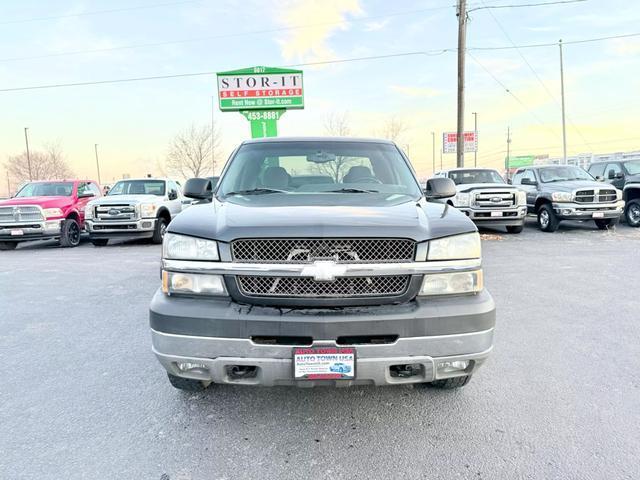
x=321 y=262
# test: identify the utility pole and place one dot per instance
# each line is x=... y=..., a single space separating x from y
x=462 y=34
x=26 y=141
x=564 y=128
x=95 y=147
x=433 y=144
x=213 y=140
x=506 y=160
x=475 y=133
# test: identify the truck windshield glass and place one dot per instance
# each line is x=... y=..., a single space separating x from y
x=633 y=167
x=138 y=187
x=563 y=173
x=46 y=189
x=326 y=167
x=462 y=177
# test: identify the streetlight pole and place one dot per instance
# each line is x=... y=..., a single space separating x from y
x=433 y=158
x=475 y=133
x=564 y=129
x=462 y=34
x=506 y=160
x=95 y=147
x=26 y=141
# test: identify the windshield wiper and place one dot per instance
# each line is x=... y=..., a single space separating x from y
x=256 y=191
x=353 y=190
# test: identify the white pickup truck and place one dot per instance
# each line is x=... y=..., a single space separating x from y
x=487 y=199
x=135 y=208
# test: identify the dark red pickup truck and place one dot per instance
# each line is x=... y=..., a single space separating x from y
x=46 y=210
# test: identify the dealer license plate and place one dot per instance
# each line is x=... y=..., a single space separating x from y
x=16 y=232
x=324 y=363
x=598 y=214
x=496 y=214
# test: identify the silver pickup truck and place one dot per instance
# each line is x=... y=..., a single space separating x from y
x=321 y=261
x=135 y=208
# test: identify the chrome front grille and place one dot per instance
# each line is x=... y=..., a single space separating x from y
x=341 y=250
x=343 y=287
x=495 y=199
x=117 y=212
x=21 y=213
x=604 y=195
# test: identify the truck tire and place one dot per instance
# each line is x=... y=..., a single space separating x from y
x=159 y=231
x=100 y=242
x=187 y=384
x=8 y=245
x=547 y=219
x=605 y=223
x=451 y=383
x=515 y=228
x=70 y=234
x=632 y=212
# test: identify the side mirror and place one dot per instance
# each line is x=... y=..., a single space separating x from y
x=172 y=195
x=611 y=174
x=86 y=195
x=198 y=188
x=619 y=175
x=440 y=188
x=528 y=181
x=509 y=181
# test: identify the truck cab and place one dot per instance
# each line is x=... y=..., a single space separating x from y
x=625 y=176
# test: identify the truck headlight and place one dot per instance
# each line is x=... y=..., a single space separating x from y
x=183 y=247
x=52 y=212
x=618 y=194
x=561 y=196
x=192 y=284
x=461 y=200
x=88 y=212
x=456 y=283
x=456 y=247
x=147 y=210
x=521 y=198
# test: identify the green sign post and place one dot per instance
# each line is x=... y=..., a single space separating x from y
x=262 y=95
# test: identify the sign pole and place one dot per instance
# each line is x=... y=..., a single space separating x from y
x=462 y=38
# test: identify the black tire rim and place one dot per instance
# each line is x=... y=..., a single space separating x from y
x=634 y=213
x=74 y=233
x=544 y=219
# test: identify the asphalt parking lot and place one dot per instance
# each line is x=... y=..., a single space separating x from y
x=83 y=397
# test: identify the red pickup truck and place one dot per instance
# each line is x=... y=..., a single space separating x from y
x=45 y=210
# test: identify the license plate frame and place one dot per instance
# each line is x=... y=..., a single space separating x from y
x=597 y=215
x=324 y=363
x=496 y=214
x=16 y=232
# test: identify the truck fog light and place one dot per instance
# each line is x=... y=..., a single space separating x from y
x=52 y=225
x=451 y=367
x=566 y=211
x=452 y=283
x=192 y=284
x=186 y=367
x=146 y=224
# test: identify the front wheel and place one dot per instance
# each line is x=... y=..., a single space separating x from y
x=70 y=235
x=187 y=384
x=515 y=228
x=547 y=219
x=159 y=231
x=632 y=212
x=604 y=223
x=8 y=245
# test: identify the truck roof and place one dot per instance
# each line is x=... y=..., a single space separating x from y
x=63 y=180
x=317 y=139
x=468 y=168
x=144 y=178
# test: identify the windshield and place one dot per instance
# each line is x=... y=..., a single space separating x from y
x=462 y=177
x=560 y=174
x=138 y=187
x=325 y=167
x=46 y=189
x=633 y=167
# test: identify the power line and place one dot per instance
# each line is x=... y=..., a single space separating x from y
x=98 y=12
x=217 y=37
x=493 y=7
x=555 y=44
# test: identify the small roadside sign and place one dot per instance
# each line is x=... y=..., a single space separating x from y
x=450 y=142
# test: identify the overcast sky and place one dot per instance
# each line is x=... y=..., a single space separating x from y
x=54 y=41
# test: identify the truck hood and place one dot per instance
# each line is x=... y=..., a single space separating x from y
x=632 y=179
x=117 y=199
x=44 y=202
x=485 y=186
x=321 y=216
x=571 y=185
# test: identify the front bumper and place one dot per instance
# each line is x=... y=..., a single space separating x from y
x=583 y=211
x=496 y=218
x=220 y=333
x=24 y=231
x=142 y=228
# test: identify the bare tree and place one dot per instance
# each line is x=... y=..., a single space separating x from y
x=337 y=124
x=190 y=152
x=393 y=129
x=45 y=165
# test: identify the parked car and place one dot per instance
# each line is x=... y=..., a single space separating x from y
x=624 y=175
x=485 y=197
x=566 y=192
x=279 y=277
x=51 y=209
x=135 y=208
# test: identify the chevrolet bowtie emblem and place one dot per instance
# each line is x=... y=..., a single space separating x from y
x=324 y=270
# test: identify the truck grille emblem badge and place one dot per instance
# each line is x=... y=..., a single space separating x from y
x=114 y=212
x=496 y=199
x=16 y=214
x=324 y=270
